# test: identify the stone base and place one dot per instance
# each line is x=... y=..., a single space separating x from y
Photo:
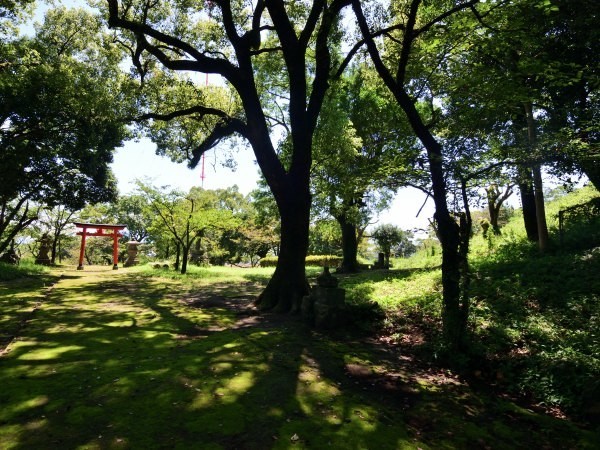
x=10 y=257
x=324 y=307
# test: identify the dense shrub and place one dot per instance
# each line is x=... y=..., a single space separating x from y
x=311 y=260
x=25 y=269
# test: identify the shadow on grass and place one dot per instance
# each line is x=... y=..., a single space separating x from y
x=118 y=362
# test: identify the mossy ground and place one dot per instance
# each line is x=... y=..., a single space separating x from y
x=118 y=359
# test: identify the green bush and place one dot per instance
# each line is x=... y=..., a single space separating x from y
x=311 y=261
x=25 y=269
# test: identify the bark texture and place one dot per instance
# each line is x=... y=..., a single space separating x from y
x=349 y=246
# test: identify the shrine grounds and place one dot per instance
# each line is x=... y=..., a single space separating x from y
x=144 y=358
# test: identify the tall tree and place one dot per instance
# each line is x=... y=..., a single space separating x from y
x=409 y=22
x=359 y=161
x=61 y=93
x=231 y=39
x=529 y=77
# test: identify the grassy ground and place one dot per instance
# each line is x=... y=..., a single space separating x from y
x=134 y=359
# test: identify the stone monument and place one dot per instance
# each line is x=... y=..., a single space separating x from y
x=132 y=252
x=43 y=257
x=10 y=256
x=325 y=305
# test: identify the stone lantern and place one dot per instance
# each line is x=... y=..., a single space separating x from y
x=325 y=305
x=132 y=252
x=43 y=257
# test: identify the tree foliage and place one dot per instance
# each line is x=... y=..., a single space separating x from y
x=391 y=239
x=359 y=161
x=60 y=115
x=186 y=219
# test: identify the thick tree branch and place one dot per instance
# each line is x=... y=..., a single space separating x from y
x=407 y=40
x=253 y=36
x=470 y=4
x=223 y=129
x=311 y=22
x=380 y=66
x=323 y=60
x=362 y=42
x=266 y=50
x=229 y=23
x=294 y=55
x=198 y=109
x=200 y=62
x=283 y=27
x=489 y=168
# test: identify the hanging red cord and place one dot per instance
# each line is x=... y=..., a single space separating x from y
x=210 y=6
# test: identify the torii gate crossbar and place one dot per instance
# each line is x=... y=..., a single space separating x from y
x=93 y=229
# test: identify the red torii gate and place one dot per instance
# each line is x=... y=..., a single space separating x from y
x=99 y=230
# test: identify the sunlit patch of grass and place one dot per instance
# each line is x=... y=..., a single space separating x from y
x=392 y=288
x=26 y=269
x=52 y=353
x=254 y=278
x=130 y=362
x=206 y=275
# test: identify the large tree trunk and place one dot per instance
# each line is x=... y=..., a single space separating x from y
x=177 y=255
x=53 y=250
x=454 y=322
x=465 y=229
x=349 y=245
x=528 y=203
x=291 y=189
x=288 y=285
x=494 y=217
x=540 y=209
x=184 y=258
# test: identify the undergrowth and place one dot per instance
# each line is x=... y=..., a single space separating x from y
x=534 y=320
x=25 y=269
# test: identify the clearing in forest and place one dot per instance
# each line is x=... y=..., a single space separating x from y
x=107 y=359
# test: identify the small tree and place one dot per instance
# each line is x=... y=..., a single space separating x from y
x=185 y=217
x=55 y=220
x=388 y=237
x=495 y=200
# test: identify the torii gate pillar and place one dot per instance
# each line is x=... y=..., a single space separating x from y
x=99 y=230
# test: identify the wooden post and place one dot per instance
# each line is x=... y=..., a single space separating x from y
x=115 y=249
x=82 y=250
